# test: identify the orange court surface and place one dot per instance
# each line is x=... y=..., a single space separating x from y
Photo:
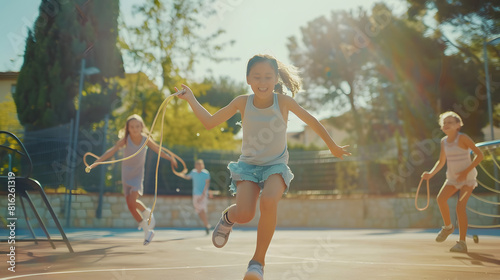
x=294 y=254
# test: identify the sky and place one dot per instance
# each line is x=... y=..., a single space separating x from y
x=257 y=26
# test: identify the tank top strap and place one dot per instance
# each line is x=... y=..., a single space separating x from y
x=249 y=104
x=276 y=105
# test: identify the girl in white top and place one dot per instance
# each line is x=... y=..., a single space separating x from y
x=262 y=167
x=460 y=176
x=133 y=170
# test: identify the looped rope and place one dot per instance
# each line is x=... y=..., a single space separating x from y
x=428 y=195
x=170 y=153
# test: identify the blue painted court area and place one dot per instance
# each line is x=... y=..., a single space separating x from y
x=294 y=254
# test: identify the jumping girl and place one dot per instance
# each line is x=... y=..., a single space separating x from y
x=461 y=176
x=262 y=167
x=133 y=170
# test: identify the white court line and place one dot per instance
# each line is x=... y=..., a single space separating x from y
x=304 y=259
x=133 y=269
x=299 y=260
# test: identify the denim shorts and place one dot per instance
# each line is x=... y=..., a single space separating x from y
x=256 y=173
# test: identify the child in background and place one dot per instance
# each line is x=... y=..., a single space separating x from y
x=201 y=185
x=133 y=170
x=461 y=176
x=262 y=167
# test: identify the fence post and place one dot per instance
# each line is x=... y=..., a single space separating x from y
x=98 y=212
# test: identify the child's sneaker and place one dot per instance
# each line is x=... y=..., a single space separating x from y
x=460 y=247
x=221 y=232
x=145 y=216
x=255 y=271
x=148 y=236
x=443 y=234
x=148 y=233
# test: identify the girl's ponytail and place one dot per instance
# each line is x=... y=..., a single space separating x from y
x=289 y=76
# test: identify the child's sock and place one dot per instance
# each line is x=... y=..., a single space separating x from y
x=226 y=219
x=448 y=226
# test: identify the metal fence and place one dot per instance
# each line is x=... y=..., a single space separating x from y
x=316 y=172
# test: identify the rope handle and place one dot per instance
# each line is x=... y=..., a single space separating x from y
x=428 y=195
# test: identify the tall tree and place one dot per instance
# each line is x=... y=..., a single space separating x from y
x=471 y=22
x=167 y=43
x=222 y=92
x=408 y=72
x=333 y=54
x=459 y=13
x=64 y=33
x=465 y=25
x=141 y=96
x=170 y=39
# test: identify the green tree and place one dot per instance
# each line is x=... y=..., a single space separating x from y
x=462 y=14
x=170 y=39
x=168 y=43
x=63 y=34
x=221 y=93
x=464 y=26
x=180 y=126
x=333 y=56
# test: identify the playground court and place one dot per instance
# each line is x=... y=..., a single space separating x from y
x=118 y=254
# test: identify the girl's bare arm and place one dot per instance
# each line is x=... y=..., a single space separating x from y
x=311 y=121
x=478 y=153
x=110 y=152
x=208 y=120
x=156 y=148
x=438 y=166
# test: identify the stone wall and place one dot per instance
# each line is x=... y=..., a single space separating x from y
x=306 y=211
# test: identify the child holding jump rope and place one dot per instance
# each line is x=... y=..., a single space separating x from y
x=461 y=176
x=133 y=170
x=262 y=167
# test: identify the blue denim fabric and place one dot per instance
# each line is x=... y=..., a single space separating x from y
x=258 y=174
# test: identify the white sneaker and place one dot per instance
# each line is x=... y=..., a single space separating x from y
x=143 y=225
x=148 y=233
x=255 y=271
x=145 y=217
x=221 y=232
x=460 y=247
x=148 y=236
x=443 y=234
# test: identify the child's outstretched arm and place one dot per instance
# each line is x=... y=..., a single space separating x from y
x=156 y=148
x=185 y=176
x=208 y=120
x=439 y=164
x=311 y=121
x=477 y=158
x=109 y=153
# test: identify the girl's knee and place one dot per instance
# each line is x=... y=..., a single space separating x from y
x=131 y=208
x=244 y=216
x=268 y=202
x=131 y=203
x=130 y=199
x=461 y=205
x=441 y=199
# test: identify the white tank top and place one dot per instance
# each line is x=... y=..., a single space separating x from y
x=133 y=169
x=264 y=134
x=458 y=159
